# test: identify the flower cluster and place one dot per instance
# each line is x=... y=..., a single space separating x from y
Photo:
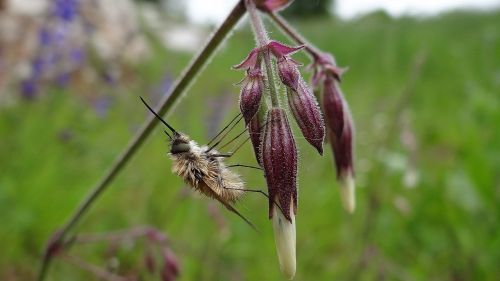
x=60 y=50
x=270 y=133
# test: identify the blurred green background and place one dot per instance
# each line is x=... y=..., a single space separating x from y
x=425 y=96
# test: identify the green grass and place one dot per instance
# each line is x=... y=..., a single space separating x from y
x=443 y=228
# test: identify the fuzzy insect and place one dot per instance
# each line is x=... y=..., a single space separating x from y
x=203 y=168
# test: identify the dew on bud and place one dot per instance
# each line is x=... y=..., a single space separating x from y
x=305 y=109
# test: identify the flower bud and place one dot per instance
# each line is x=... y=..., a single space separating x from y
x=279 y=159
x=288 y=72
x=272 y=5
x=255 y=131
x=170 y=270
x=306 y=111
x=343 y=156
x=251 y=94
x=333 y=105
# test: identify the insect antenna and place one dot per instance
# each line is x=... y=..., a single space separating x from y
x=161 y=119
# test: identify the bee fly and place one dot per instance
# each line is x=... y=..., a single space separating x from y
x=203 y=168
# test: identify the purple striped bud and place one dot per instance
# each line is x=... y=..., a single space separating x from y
x=255 y=130
x=170 y=270
x=306 y=111
x=343 y=155
x=333 y=105
x=251 y=94
x=288 y=72
x=279 y=159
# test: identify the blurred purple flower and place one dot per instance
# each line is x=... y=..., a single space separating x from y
x=66 y=9
x=29 y=88
x=62 y=80
x=45 y=36
x=77 y=55
x=101 y=105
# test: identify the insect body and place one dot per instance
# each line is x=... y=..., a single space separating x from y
x=203 y=168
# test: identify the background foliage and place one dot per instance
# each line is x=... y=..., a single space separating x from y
x=424 y=94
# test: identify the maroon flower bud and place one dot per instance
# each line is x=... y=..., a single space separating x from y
x=170 y=270
x=288 y=72
x=149 y=262
x=251 y=94
x=255 y=130
x=333 y=105
x=306 y=111
x=272 y=5
x=279 y=159
x=343 y=155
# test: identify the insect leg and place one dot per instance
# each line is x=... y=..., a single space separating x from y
x=225 y=128
x=225 y=155
x=225 y=134
x=246 y=166
x=256 y=191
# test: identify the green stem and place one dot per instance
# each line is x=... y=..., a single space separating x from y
x=262 y=41
x=166 y=104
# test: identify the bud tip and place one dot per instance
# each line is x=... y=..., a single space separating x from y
x=348 y=192
x=285 y=237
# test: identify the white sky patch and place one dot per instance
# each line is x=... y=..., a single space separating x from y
x=214 y=11
x=352 y=8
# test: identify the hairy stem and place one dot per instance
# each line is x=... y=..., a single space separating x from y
x=262 y=41
x=314 y=52
x=166 y=104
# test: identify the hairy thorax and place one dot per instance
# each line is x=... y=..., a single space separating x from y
x=207 y=173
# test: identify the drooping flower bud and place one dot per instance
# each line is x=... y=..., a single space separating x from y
x=255 y=130
x=251 y=94
x=305 y=109
x=279 y=159
x=272 y=5
x=288 y=72
x=333 y=105
x=170 y=270
x=343 y=156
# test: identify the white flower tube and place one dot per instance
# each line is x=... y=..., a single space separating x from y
x=348 y=192
x=284 y=237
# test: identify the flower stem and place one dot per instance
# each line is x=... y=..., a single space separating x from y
x=166 y=104
x=262 y=41
x=314 y=52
